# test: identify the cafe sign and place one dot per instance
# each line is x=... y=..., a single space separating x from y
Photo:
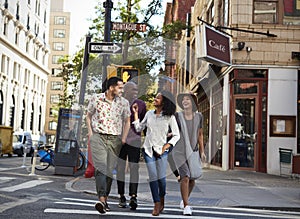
x=213 y=46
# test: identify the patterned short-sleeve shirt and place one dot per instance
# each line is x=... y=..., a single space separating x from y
x=108 y=116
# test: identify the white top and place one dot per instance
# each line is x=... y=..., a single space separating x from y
x=157 y=131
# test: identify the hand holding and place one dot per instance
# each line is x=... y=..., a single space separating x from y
x=135 y=108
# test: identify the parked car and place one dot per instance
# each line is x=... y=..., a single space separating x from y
x=22 y=143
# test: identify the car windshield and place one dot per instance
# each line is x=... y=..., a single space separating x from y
x=17 y=138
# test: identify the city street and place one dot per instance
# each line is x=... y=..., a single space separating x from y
x=45 y=195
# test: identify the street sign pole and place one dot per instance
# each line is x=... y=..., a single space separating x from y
x=108 y=5
x=84 y=69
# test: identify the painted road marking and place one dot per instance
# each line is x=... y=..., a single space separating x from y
x=172 y=211
x=25 y=185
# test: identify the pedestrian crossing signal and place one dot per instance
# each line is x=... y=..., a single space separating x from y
x=129 y=74
x=111 y=71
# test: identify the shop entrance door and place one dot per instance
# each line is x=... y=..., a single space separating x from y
x=245 y=126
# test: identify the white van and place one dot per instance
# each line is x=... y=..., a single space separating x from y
x=22 y=142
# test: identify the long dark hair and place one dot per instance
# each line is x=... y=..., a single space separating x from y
x=169 y=106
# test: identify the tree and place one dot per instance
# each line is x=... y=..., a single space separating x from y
x=143 y=50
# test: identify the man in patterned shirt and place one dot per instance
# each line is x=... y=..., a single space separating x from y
x=106 y=114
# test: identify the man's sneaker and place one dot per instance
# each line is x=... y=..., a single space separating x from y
x=133 y=203
x=100 y=207
x=187 y=210
x=122 y=202
x=181 y=205
x=107 y=208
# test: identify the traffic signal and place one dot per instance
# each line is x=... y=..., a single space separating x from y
x=111 y=71
x=130 y=74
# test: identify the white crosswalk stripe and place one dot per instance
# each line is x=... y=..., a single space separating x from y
x=25 y=185
x=171 y=211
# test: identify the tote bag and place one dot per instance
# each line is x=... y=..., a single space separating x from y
x=195 y=165
x=192 y=156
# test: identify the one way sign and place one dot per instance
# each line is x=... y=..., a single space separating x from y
x=105 y=48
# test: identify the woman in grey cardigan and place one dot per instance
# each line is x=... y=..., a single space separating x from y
x=191 y=139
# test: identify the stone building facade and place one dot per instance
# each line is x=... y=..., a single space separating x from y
x=24 y=53
x=242 y=61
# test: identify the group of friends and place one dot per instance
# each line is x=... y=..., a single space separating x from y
x=116 y=119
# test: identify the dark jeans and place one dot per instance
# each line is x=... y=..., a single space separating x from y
x=133 y=154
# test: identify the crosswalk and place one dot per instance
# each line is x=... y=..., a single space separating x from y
x=86 y=207
x=21 y=186
x=80 y=206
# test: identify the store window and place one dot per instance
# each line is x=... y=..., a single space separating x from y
x=217 y=124
x=298 y=116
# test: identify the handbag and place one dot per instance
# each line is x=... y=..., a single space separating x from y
x=195 y=165
x=192 y=155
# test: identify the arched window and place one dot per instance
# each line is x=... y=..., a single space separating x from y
x=1 y=108
x=31 y=117
x=40 y=119
x=23 y=115
x=12 y=112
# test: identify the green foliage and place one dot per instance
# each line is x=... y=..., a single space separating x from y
x=174 y=30
x=142 y=50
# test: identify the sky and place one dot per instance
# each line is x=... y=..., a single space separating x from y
x=81 y=11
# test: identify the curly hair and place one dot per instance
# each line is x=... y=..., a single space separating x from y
x=169 y=106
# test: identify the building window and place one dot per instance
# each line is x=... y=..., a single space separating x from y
x=3 y=58
x=37 y=50
x=291 y=12
x=17 y=13
x=23 y=115
x=17 y=37
x=28 y=22
x=5 y=26
x=52 y=125
x=40 y=119
x=60 y=20
x=56 y=72
x=56 y=85
x=59 y=33
x=54 y=99
x=53 y=112
x=45 y=17
x=59 y=46
x=37 y=7
x=55 y=59
x=32 y=117
x=265 y=11
x=27 y=45
x=211 y=13
x=16 y=71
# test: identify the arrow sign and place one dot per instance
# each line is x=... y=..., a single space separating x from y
x=105 y=48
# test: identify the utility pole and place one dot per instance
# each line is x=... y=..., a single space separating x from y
x=108 y=5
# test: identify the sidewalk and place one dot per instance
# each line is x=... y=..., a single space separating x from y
x=233 y=188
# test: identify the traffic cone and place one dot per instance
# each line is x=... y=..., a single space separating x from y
x=90 y=170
